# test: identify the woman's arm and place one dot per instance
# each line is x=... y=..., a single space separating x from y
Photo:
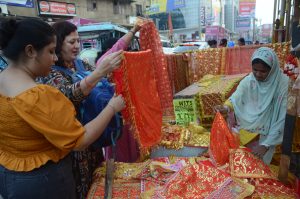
x=122 y=43
x=95 y=128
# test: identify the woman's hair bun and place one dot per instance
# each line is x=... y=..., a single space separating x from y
x=7 y=29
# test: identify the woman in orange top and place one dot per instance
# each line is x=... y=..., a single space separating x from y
x=38 y=126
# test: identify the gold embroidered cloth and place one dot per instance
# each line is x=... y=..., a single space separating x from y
x=135 y=80
x=221 y=141
x=150 y=39
x=214 y=91
x=243 y=164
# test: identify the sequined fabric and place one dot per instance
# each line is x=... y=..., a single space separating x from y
x=135 y=80
x=174 y=136
x=243 y=164
x=221 y=141
x=271 y=188
x=203 y=180
x=205 y=62
x=199 y=136
x=150 y=39
x=228 y=61
x=215 y=89
x=178 y=71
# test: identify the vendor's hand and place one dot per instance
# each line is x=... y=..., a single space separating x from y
x=223 y=109
x=109 y=63
x=260 y=151
x=117 y=103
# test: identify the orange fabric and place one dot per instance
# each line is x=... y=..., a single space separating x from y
x=221 y=140
x=204 y=62
x=150 y=39
x=243 y=164
x=238 y=59
x=178 y=71
x=122 y=189
x=271 y=188
x=228 y=61
x=203 y=181
x=135 y=80
x=36 y=126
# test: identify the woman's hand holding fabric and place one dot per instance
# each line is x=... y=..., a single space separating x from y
x=223 y=109
x=109 y=63
x=260 y=151
x=117 y=103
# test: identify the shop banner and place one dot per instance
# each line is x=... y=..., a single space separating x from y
x=185 y=111
x=247 y=8
x=157 y=6
x=56 y=8
x=160 y=6
x=243 y=24
x=175 y=4
x=20 y=3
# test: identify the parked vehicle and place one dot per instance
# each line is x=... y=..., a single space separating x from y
x=186 y=48
x=93 y=35
x=201 y=44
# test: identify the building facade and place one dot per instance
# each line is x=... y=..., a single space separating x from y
x=231 y=14
x=116 y=11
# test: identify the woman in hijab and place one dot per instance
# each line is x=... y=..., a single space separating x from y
x=259 y=104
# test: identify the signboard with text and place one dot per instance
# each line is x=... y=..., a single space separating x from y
x=247 y=8
x=160 y=6
x=202 y=16
x=185 y=111
x=19 y=3
x=243 y=24
x=175 y=4
x=56 y=8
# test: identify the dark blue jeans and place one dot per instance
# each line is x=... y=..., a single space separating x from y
x=51 y=181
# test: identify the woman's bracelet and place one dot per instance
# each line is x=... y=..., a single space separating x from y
x=132 y=32
x=90 y=86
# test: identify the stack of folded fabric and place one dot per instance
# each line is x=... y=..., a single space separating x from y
x=215 y=90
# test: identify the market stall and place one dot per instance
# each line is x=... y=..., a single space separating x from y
x=197 y=156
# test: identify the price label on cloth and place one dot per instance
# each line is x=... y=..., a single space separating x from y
x=185 y=111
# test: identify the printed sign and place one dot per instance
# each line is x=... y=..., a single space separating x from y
x=185 y=111
x=56 y=8
x=247 y=8
x=243 y=24
x=202 y=16
x=175 y=4
x=160 y=6
x=20 y=3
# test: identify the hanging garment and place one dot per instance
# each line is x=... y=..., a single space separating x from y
x=150 y=39
x=135 y=80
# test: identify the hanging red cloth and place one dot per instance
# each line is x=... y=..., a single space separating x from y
x=135 y=80
x=150 y=39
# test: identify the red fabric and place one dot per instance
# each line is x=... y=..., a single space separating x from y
x=243 y=164
x=271 y=188
x=135 y=80
x=150 y=39
x=196 y=181
x=238 y=60
x=221 y=140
